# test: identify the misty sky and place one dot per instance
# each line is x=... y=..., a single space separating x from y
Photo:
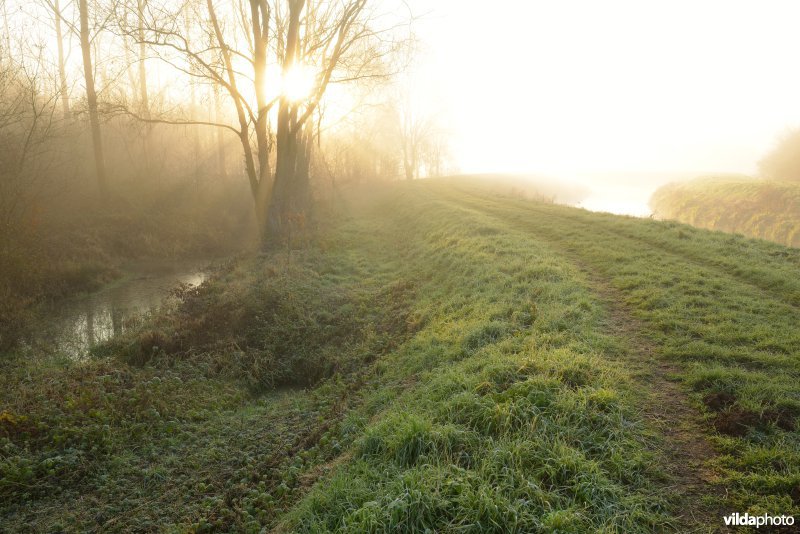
x=567 y=85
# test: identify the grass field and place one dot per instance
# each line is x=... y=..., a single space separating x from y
x=440 y=358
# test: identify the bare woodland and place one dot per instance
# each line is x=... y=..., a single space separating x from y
x=102 y=101
x=150 y=129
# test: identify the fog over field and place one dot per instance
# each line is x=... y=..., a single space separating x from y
x=620 y=96
x=399 y=266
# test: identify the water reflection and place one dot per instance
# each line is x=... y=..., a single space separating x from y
x=619 y=200
x=77 y=325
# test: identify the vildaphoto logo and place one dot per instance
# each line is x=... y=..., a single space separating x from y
x=747 y=520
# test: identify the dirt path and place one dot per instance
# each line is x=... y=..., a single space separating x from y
x=684 y=442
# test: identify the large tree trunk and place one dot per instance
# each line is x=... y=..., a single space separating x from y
x=259 y=17
x=281 y=204
x=91 y=98
x=259 y=10
x=284 y=206
x=290 y=206
x=62 y=76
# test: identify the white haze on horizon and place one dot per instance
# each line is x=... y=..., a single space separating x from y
x=599 y=92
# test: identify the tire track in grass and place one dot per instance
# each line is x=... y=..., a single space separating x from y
x=500 y=209
x=790 y=299
x=684 y=445
x=735 y=343
x=775 y=287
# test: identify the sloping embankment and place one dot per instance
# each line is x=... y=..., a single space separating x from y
x=763 y=209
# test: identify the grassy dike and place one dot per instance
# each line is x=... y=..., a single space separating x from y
x=437 y=359
x=723 y=309
x=765 y=209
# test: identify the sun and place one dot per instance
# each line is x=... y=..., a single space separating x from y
x=298 y=83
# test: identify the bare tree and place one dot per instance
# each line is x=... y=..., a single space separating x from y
x=422 y=140
x=91 y=98
x=413 y=131
x=27 y=123
x=62 y=74
x=334 y=39
x=7 y=30
x=260 y=16
x=143 y=98
x=228 y=80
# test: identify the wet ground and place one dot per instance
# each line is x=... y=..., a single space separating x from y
x=77 y=324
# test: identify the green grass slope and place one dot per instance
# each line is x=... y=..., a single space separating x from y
x=441 y=358
x=755 y=208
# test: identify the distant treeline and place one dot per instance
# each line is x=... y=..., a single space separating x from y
x=764 y=209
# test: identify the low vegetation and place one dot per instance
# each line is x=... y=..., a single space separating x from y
x=754 y=208
x=439 y=358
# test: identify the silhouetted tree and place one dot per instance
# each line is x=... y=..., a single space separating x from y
x=62 y=74
x=333 y=39
x=91 y=97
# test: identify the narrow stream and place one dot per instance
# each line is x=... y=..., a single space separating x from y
x=80 y=323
